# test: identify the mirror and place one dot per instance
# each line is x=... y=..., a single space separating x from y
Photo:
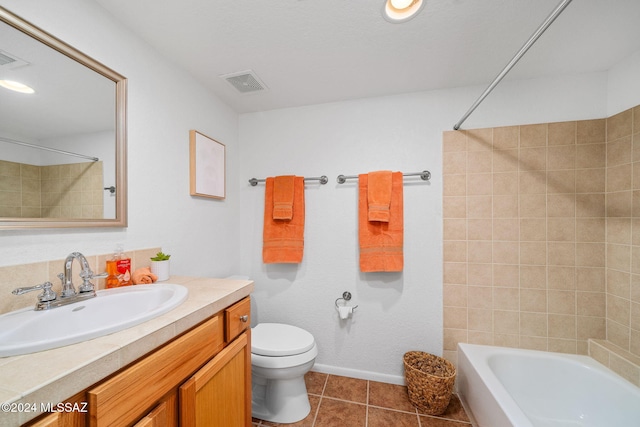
x=62 y=147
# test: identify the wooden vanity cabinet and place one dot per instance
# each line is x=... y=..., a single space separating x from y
x=201 y=378
x=219 y=394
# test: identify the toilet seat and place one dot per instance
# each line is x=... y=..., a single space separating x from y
x=278 y=339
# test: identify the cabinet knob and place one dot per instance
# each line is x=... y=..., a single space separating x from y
x=244 y=318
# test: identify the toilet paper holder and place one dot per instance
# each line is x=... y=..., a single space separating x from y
x=346 y=296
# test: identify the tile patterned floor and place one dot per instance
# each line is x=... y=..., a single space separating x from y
x=348 y=402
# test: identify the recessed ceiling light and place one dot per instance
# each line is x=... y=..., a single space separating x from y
x=16 y=86
x=397 y=11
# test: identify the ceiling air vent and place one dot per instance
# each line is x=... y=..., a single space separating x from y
x=10 y=61
x=245 y=82
x=5 y=59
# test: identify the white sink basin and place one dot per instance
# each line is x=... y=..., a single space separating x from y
x=26 y=331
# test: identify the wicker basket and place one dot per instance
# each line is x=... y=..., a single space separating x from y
x=429 y=380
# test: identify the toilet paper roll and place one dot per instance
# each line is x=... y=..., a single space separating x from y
x=345 y=311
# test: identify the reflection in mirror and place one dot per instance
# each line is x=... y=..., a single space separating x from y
x=62 y=133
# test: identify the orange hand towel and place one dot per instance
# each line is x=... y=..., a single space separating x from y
x=283 y=197
x=379 y=196
x=143 y=276
x=381 y=243
x=283 y=240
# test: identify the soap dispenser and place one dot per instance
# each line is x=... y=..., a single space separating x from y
x=119 y=269
x=112 y=271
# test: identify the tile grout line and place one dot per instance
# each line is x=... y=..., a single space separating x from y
x=366 y=414
x=324 y=387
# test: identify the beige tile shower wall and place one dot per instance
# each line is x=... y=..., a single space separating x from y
x=58 y=191
x=623 y=230
x=31 y=191
x=525 y=236
x=72 y=190
x=10 y=193
x=19 y=190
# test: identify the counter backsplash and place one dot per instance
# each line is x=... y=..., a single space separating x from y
x=16 y=276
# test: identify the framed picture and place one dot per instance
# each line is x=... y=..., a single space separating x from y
x=207 y=159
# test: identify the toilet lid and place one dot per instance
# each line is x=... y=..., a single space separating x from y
x=278 y=339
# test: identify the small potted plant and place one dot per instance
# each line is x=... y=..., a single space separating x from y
x=160 y=266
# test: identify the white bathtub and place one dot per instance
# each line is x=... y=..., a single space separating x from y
x=504 y=387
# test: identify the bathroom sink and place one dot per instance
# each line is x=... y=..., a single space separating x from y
x=26 y=331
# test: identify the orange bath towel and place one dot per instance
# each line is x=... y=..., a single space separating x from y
x=381 y=243
x=283 y=239
x=283 y=197
x=379 y=196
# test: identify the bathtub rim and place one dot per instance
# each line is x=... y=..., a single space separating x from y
x=502 y=405
x=508 y=406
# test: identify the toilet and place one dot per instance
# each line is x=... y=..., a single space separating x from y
x=280 y=357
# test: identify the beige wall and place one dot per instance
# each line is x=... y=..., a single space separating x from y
x=538 y=234
x=59 y=191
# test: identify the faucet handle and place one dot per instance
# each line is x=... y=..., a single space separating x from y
x=87 y=285
x=47 y=293
x=100 y=276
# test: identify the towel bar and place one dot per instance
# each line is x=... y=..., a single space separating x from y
x=424 y=175
x=323 y=180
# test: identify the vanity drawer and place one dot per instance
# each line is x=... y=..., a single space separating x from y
x=237 y=318
x=135 y=390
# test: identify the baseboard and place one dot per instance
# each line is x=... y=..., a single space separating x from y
x=356 y=373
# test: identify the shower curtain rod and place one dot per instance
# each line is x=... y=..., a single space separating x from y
x=541 y=29
x=55 y=150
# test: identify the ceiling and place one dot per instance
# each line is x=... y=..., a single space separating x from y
x=69 y=97
x=316 y=51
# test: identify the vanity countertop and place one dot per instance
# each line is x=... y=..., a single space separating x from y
x=52 y=376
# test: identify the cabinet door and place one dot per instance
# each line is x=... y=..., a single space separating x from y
x=156 y=418
x=165 y=414
x=130 y=394
x=219 y=394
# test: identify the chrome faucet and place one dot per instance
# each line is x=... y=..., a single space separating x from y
x=68 y=290
x=49 y=299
